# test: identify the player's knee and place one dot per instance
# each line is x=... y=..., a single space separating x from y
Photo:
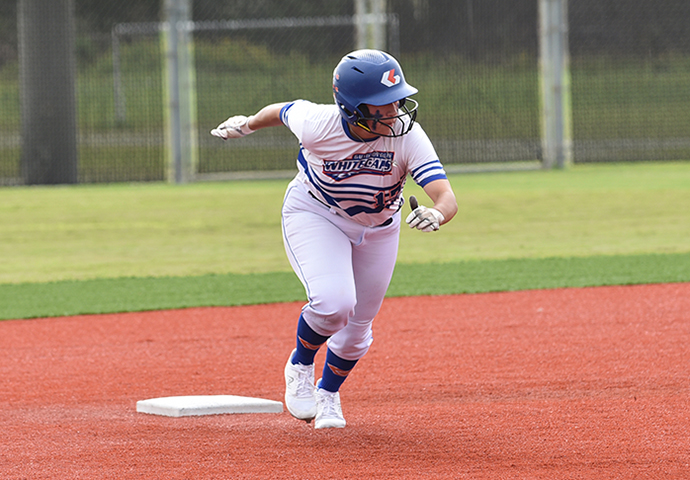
x=331 y=312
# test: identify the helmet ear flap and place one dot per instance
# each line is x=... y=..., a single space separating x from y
x=351 y=116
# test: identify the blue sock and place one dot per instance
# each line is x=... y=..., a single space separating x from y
x=308 y=343
x=335 y=371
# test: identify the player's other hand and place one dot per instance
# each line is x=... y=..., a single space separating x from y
x=233 y=127
x=425 y=219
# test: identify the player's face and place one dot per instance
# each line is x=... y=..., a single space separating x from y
x=386 y=114
x=380 y=114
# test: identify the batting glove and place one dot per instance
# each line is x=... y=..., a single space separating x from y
x=425 y=219
x=233 y=127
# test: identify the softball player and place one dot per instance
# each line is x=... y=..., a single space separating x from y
x=341 y=215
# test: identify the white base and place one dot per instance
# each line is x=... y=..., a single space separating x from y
x=207 y=405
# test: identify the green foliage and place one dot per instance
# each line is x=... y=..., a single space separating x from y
x=638 y=99
x=459 y=99
x=224 y=158
x=231 y=56
x=122 y=163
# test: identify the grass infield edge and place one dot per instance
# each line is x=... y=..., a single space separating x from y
x=117 y=295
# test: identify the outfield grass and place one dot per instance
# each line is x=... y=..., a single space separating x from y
x=220 y=243
x=141 y=230
x=110 y=295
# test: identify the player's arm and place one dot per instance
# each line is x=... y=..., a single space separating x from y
x=269 y=116
x=441 y=193
x=429 y=219
x=240 y=126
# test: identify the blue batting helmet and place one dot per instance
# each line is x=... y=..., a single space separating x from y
x=371 y=77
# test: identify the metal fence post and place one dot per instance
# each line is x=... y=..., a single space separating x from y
x=48 y=91
x=554 y=79
x=370 y=24
x=119 y=100
x=180 y=105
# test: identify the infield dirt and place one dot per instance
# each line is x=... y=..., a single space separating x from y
x=583 y=383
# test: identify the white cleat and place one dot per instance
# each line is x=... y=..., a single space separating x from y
x=299 y=390
x=329 y=414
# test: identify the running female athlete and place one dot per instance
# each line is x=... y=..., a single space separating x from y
x=341 y=215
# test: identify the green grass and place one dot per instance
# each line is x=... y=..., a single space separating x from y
x=112 y=295
x=584 y=211
x=84 y=232
x=123 y=247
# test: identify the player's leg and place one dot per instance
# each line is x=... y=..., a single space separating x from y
x=329 y=413
x=373 y=264
x=299 y=373
x=320 y=254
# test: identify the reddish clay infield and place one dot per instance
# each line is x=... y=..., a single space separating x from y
x=585 y=383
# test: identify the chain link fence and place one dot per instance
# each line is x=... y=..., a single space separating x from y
x=475 y=63
x=630 y=64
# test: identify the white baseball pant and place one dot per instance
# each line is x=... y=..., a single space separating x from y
x=345 y=268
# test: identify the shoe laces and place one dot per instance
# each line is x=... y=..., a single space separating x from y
x=305 y=382
x=328 y=403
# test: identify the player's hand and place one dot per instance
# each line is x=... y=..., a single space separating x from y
x=424 y=218
x=233 y=127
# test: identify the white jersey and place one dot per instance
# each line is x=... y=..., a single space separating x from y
x=359 y=179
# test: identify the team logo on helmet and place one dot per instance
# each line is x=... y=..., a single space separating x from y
x=389 y=78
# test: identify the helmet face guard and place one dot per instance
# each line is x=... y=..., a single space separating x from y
x=378 y=125
x=372 y=77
